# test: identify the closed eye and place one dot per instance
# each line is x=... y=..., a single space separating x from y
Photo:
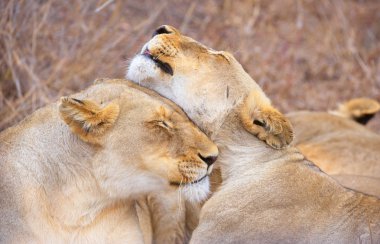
x=163 y=124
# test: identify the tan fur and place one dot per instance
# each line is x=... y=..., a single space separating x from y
x=86 y=119
x=340 y=146
x=188 y=58
x=357 y=108
x=253 y=109
x=267 y=195
x=73 y=171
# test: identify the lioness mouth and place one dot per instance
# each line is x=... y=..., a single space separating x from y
x=190 y=183
x=165 y=67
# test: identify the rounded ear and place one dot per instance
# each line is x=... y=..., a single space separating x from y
x=87 y=119
x=264 y=121
x=361 y=110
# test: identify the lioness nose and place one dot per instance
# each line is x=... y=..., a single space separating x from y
x=161 y=30
x=208 y=160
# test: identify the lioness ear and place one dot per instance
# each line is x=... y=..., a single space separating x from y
x=361 y=110
x=264 y=121
x=87 y=119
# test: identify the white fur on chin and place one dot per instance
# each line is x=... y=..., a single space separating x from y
x=141 y=69
x=196 y=192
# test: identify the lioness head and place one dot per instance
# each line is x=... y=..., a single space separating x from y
x=141 y=142
x=207 y=84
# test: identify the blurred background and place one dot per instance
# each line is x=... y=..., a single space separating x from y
x=305 y=54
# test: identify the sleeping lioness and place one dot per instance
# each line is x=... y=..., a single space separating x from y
x=340 y=145
x=268 y=195
x=70 y=172
x=277 y=132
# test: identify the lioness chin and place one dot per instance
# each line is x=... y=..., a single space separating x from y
x=268 y=195
x=72 y=171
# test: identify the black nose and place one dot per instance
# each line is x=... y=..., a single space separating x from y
x=208 y=160
x=161 y=30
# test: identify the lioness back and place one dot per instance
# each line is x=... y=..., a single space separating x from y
x=340 y=146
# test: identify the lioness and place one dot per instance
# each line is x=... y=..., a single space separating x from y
x=267 y=195
x=277 y=132
x=72 y=170
x=340 y=145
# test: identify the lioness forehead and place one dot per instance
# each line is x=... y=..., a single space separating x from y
x=193 y=46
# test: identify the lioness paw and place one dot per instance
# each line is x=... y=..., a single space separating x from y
x=266 y=122
x=271 y=126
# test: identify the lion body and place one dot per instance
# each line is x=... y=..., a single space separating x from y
x=72 y=172
x=27 y=181
x=341 y=147
x=267 y=195
x=280 y=197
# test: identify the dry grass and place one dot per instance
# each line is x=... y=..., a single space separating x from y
x=305 y=54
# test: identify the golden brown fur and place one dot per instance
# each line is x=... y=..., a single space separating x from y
x=267 y=195
x=359 y=109
x=191 y=59
x=72 y=171
x=340 y=146
x=187 y=57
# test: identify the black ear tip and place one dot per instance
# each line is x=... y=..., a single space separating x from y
x=161 y=30
x=364 y=119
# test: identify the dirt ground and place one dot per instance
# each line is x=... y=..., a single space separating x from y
x=305 y=54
